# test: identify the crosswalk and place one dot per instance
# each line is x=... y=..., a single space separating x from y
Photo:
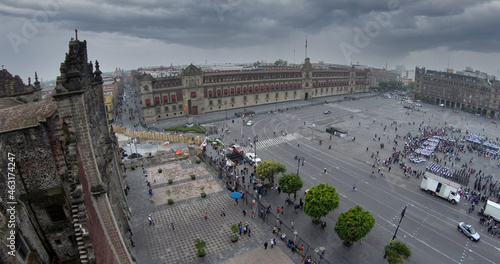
x=273 y=142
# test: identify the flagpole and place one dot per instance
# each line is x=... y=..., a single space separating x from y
x=306 y=46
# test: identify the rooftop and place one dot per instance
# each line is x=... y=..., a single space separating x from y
x=26 y=115
x=8 y=102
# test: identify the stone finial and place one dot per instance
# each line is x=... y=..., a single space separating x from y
x=76 y=34
x=97 y=77
x=29 y=81
x=37 y=83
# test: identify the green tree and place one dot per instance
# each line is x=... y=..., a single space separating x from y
x=384 y=85
x=320 y=200
x=397 y=252
x=396 y=85
x=411 y=85
x=354 y=224
x=290 y=183
x=268 y=169
x=281 y=62
x=257 y=64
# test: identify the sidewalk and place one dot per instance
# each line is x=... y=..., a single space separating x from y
x=261 y=255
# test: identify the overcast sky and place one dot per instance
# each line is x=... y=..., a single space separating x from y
x=131 y=34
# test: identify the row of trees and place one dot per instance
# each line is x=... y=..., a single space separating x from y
x=279 y=62
x=391 y=85
x=352 y=225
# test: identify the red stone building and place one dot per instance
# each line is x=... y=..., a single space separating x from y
x=196 y=92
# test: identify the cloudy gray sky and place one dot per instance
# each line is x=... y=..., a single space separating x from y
x=131 y=34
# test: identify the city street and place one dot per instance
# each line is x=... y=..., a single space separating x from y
x=430 y=224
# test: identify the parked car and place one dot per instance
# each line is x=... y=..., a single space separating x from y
x=253 y=159
x=469 y=231
x=236 y=148
x=327 y=112
x=249 y=123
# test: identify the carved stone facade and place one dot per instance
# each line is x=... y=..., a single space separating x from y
x=196 y=92
x=69 y=178
x=14 y=87
x=458 y=91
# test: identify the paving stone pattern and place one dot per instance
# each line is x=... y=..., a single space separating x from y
x=190 y=189
x=158 y=243
x=169 y=246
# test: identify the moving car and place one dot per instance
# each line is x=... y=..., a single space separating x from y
x=327 y=112
x=249 y=123
x=469 y=231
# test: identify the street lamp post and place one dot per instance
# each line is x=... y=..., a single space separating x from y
x=298 y=163
x=255 y=140
x=397 y=228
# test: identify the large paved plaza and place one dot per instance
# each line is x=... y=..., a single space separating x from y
x=363 y=119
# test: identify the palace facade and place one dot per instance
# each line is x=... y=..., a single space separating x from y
x=469 y=93
x=196 y=92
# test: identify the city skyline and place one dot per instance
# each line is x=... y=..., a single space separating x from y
x=129 y=35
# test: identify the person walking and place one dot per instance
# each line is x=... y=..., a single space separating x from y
x=173 y=226
x=282 y=210
x=292 y=223
x=324 y=171
x=223 y=213
x=272 y=243
x=249 y=231
x=206 y=215
x=265 y=245
x=151 y=222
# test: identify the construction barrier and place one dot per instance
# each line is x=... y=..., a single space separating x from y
x=196 y=140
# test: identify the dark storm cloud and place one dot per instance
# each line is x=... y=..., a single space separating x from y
x=413 y=26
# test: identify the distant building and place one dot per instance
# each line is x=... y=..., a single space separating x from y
x=462 y=91
x=378 y=75
x=195 y=91
x=63 y=161
x=110 y=92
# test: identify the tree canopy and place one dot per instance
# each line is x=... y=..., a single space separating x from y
x=281 y=62
x=354 y=224
x=397 y=252
x=290 y=183
x=391 y=85
x=257 y=64
x=320 y=200
x=268 y=169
